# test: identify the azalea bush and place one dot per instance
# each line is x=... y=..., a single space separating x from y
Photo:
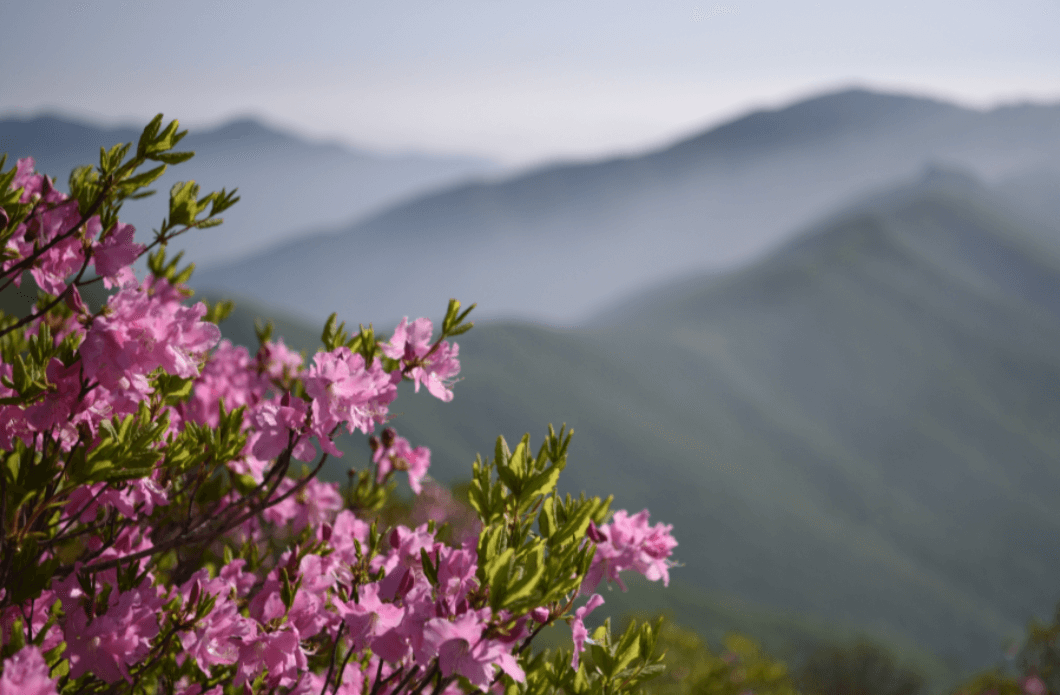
x=164 y=529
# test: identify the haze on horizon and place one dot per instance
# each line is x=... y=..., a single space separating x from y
x=519 y=83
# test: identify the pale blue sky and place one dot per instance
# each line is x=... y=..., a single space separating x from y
x=521 y=82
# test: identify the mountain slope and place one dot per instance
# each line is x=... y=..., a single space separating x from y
x=288 y=186
x=558 y=243
x=861 y=426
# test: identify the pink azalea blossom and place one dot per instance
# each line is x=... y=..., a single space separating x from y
x=145 y=328
x=274 y=425
x=278 y=652
x=107 y=644
x=344 y=389
x=217 y=638
x=117 y=250
x=578 y=631
x=26 y=673
x=1033 y=685
x=57 y=405
x=462 y=649
x=411 y=344
x=280 y=362
x=391 y=452
x=228 y=374
x=628 y=543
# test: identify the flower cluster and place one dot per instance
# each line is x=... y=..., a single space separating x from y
x=629 y=543
x=155 y=530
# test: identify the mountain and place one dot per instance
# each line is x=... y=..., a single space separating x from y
x=559 y=243
x=288 y=186
x=1037 y=193
x=860 y=426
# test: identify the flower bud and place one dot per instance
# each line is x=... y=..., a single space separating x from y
x=74 y=301
x=293 y=563
x=407 y=582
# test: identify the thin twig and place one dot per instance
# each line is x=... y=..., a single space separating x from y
x=334 y=651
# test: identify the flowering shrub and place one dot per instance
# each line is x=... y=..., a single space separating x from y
x=156 y=538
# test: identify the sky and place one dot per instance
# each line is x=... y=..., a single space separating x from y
x=522 y=83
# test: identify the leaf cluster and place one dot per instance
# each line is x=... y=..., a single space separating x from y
x=611 y=665
x=532 y=550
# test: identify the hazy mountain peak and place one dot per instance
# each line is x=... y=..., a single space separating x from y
x=812 y=119
x=240 y=129
x=271 y=167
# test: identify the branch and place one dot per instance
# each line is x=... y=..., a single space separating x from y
x=207 y=535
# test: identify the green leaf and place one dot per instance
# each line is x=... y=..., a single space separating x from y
x=18 y=636
x=497 y=572
x=577 y=524
x=54 y=658
x=543 y=483
x=223 y=200
x=533 y=572
x=490 y=542
x=429 y=570
x=12 y=464
x=219 y=311
x=147 y=137
x=459 y=330
x=288 y=590
x=183 y=203
x=174 y=387
x=628 y=647
x=263 y=332
x=334 y=333
x=518 y=463
x=146 y=178
x=171 y=157
x=546 y=518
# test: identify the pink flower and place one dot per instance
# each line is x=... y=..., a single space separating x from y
x=461 y=649
x=117 y=250
x=436 y=370
x=135 y=497
x=343 y=389
x=145 y=328
x=229 y=373
x=629 y=543
x=280 y=362
x=275 y=423
x=217 y=637
x=391 y=452
x=578 y=631
x=26 y=673
x=369 y=618
x=58 y=404
x=279 y=653
x=1033 y=685
x=52 y=268
x=106 y=645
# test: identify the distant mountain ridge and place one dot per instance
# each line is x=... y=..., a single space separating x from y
x=288 y=186
x=860 y=426
x=572 y=237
